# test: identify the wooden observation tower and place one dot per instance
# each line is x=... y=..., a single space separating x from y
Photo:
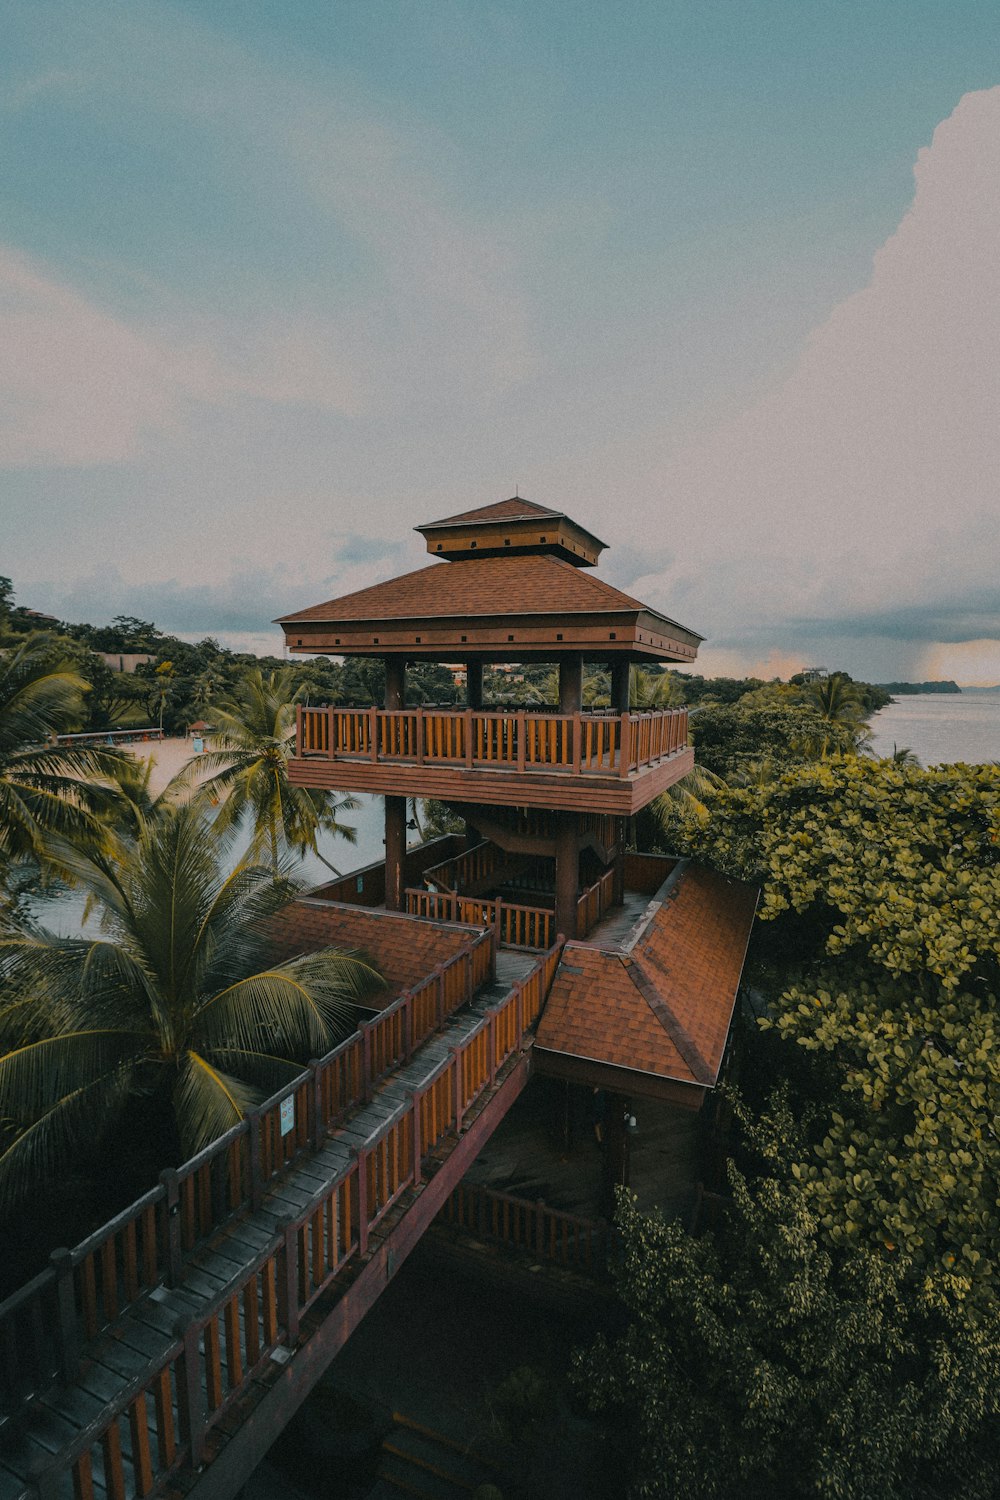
x=545 y=794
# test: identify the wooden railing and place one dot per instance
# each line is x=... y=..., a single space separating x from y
x=548 y=1233
x=590 y=743
x=517 y=926
x=161 y=1421
x=44 y=1325
x=478 y=863
x=595 y=901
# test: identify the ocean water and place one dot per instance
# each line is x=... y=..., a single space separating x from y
x=941 y=728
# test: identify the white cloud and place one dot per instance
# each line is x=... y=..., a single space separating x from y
x=867 y=482
x=79 y=386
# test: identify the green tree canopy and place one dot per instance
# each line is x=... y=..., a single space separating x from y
x=175 y=1004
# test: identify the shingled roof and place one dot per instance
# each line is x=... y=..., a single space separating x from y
x=514 y=509
x=404 y=949
x=661 y=1005
x=522 y=585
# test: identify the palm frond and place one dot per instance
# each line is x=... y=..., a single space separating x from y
x=208 y=1102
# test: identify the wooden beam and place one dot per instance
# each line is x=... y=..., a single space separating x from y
x=584 y=793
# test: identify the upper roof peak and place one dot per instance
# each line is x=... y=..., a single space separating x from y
x=512 y=526
x=501 y=510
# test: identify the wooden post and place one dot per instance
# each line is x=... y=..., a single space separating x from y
x=474 y=684
x=316 y=1095
x=173 y=1255
x=571 y=683
x=417 y=1149
x=61 y=1262
x=407 y=1000
x=522 y=726
x=288 y=1280
x=457 y=1064
x=190 y=1394
x=362 y=1202
x=620 y=685
x=256 y=1168
x=366 y=1064
x=395 y=852
x=395 y=682
x=491 y=1045
x=625 y=745
x=567 y=872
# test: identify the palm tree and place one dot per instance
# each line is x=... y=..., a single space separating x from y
x=903 y=757
x=835 y=698
x=176 y=1005
x=253 y=743
x=654 y=689
x=48 y=793
x=687 y=798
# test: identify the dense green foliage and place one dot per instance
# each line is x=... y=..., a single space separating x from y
x=839 y=1334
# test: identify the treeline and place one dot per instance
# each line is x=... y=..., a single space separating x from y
x=182 y=683
x=938 y=686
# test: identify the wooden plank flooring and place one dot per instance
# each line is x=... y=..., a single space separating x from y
x=147 y=1329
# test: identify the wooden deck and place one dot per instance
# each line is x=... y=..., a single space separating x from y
x=184 y=1391
x=599 y=763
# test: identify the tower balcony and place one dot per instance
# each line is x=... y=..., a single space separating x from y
x=597 y=761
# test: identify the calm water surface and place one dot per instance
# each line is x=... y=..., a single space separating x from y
x=941 y=727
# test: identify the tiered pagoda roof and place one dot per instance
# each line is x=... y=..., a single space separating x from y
x=507 y=587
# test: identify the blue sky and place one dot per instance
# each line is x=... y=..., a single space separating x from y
x=279 y=282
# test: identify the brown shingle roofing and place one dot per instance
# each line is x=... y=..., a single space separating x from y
x=478 y=586
x=663 y=1005
x=504 y=510
x=403 y=949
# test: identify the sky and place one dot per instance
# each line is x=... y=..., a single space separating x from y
x=280 y=282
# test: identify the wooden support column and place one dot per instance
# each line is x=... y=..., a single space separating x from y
x=395 y=852
x=571 y=683
x=619 y=685
x=621 y=835
x=395 y=682
x=567 y=873
x=474 y=684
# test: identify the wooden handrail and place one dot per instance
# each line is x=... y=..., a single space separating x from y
x=214 y=1356
x=579 y=744
x=146 y=1245
x=571 y=1240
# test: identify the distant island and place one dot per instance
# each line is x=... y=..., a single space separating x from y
x=920 y=687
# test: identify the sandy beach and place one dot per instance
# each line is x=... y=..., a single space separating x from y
x=167 y=757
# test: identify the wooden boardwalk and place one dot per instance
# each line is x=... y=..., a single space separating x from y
x=194 y=1373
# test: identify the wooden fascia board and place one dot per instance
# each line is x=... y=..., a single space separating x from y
x=603 y=634
x=610 y=794
x=593 y=1073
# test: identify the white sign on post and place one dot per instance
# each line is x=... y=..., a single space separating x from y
x=286 y=1114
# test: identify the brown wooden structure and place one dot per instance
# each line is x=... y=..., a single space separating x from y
x=164 y=1354
x=511 y=581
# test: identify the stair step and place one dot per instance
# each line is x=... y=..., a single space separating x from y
x=419 y=1461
